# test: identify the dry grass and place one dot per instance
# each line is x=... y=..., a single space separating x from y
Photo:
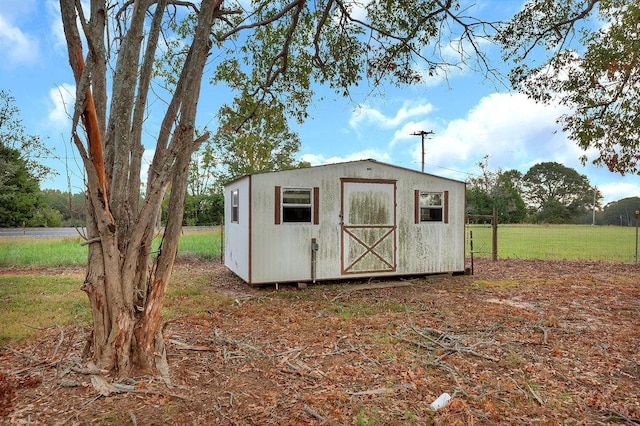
x=521 y=342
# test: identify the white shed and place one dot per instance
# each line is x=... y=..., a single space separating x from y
x=347 y=220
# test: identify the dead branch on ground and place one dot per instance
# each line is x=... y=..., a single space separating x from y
x=444 y=344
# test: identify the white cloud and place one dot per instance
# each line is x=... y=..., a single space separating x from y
x=514 y=131
x=16 y=47
x=365 y=115
x=56 y=29
x=62 y=100
x=615 y=191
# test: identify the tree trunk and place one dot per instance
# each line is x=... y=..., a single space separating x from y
x=125 y=287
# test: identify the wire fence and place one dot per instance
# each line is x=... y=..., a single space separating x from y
x=556 y=242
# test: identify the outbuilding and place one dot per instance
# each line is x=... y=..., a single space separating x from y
x=340 y=221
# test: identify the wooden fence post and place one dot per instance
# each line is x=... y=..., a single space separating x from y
x=494 y=226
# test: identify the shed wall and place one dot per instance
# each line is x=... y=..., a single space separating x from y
x=236 y=234
x=282 y=252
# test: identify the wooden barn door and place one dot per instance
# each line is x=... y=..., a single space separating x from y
x=368 y=225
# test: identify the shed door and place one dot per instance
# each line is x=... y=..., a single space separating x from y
x=368 y=226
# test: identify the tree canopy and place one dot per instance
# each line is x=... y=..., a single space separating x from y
x=254 y=138
x=21 y=202
x=621 y=212
x=19 y=190
x=548 y=192
x=498 y=189
x=558 y=193
x=13 y=135
x=592 y=65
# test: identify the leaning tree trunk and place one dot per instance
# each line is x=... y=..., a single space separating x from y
x=125 y=286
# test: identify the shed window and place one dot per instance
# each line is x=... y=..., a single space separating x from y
x=432 y=206
x=296 y=205
x=235 y=201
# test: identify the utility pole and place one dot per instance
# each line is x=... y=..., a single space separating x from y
x=422 y=134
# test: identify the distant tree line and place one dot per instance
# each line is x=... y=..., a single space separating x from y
x=70 y=210
x=548 y=192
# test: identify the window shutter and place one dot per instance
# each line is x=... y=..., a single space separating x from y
x=445 y=213
x=316 y=205
x=416 y=206
x=278 y=207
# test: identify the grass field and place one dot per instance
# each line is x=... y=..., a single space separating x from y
x=559 y=242
x=29 y=302
x=56 y=252
x=569 y=242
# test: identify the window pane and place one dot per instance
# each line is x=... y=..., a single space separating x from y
x=234 y=206
x=296 y=196
x=296 y=214
x=430 y=214
x=430 y=199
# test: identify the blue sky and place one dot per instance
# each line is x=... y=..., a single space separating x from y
x=471 y=117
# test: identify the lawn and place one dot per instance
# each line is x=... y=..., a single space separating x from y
x=57 y=252
x=49 y=298
x=556 y=242
x=30 y=302
x=549 y=242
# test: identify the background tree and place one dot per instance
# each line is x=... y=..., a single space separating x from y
x=496 y=189
x=558 y=194
x=593 y=69
x=204 y=210
x=20 y=196
x=72 y=207
x=12 y=135
x=621 y=212
x=508 y=197
x=284 y=46
x=204 y=202
x=204 y=171
x=21 y=202
x=255 y=138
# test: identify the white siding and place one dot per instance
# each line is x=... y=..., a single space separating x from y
x=282 y=252
x=236 y=235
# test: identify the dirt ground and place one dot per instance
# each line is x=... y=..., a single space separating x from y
x=519 y=342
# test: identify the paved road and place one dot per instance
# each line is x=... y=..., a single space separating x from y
x=65 y=232
x=39 y=232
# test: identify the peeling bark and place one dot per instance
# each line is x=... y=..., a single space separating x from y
x=126 y=292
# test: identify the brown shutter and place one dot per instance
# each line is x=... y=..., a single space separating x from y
x=416 y=206
x=278 y=207
x=445 y=213
x=316 y=205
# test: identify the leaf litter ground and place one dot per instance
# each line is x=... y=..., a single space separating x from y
x=519 y=342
